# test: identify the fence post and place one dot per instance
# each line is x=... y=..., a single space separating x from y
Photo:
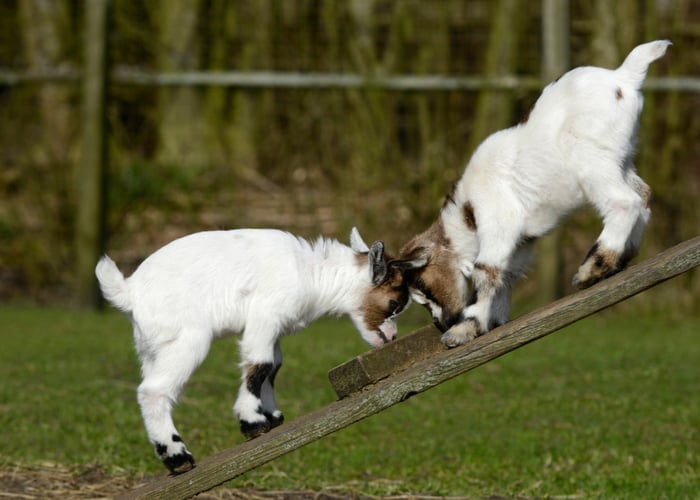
x=555 y=61
x=90 y=181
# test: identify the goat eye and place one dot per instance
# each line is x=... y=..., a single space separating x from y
x=393 y=307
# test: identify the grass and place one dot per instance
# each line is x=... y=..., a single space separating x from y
x=607 y=408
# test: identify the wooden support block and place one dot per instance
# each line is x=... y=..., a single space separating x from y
x=377 y=364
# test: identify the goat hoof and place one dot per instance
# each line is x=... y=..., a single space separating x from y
x=461 y=333
x=587 y=280
x=276 y=419
x=582 y=283
x=252 y=430
x=177 y=464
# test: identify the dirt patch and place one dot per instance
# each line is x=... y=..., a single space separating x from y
x=53 y=481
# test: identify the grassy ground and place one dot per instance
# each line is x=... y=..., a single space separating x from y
x=607 y=408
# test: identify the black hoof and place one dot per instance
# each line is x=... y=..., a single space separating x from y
x=274 y=421
x=254 y=429
x=177 y=464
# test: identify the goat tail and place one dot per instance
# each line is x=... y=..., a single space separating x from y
x=113 y=285
x=635 y=66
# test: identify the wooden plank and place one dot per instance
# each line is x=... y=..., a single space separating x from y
x=228 y=464
x=377 y=364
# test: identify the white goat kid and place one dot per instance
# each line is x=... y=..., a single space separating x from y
x=575 y=147
x=261 y=282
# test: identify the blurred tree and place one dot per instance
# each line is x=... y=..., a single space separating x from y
x=90 y=218
x=45 y=24
x=180 y=127
x=551 y=280
x=494 y=107
x=230 y=113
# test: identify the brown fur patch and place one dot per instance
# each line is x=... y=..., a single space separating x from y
x=642 y=189
x=438 y=280
x=383 y=300
x=618 y=94
x=605 y=260
x=468 y=213
x=438 y=235
x=450 y=197
x=256 y=375
x=599 y=264
x=491 y=274
x=423 y=242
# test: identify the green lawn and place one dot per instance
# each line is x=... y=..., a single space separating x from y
x=608 y=408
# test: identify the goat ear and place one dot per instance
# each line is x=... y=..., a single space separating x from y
x=408 y=264
x=356 y=242
x=378 y=268
x=415 y=259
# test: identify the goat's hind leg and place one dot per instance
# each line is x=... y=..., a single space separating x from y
x=165 y=373
x=634 y=242
x=625 y=212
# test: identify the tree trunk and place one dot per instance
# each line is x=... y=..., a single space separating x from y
x=90 y=230
x=494 y=107
x=180 y=123
x=43 y=24
x=555 y=41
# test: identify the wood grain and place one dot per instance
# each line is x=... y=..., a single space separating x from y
x=374 y=365
x=423 y=375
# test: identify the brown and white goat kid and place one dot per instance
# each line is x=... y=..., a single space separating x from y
x=575 y=147
x=261 y=282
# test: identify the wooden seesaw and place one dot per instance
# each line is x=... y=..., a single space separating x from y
x=415 y=363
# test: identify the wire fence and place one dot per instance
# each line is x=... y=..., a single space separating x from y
x=321 y=81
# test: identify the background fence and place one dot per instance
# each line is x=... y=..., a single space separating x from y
x=311 y=116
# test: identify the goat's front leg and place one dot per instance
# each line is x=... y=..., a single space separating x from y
x=488 y=284
x=257 y=367
x=267 y=396
x=490 y=303
x=625 y=211
x=248 y=407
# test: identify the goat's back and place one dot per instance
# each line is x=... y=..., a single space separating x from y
x=211 y=278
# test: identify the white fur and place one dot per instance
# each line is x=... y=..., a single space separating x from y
x=261 y=282
x=575 y=148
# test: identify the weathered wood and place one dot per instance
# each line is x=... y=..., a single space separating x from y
x=377 y=364
x=228 y=464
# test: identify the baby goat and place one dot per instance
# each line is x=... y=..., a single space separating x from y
x=264 y=283
x=575 y=147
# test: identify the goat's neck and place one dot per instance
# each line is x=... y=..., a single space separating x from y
x=336 y=279
x=459 y=235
